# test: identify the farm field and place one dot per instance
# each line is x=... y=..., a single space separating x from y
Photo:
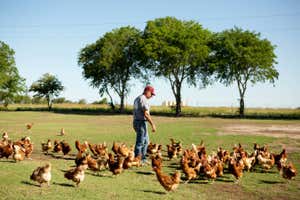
x=141 y=183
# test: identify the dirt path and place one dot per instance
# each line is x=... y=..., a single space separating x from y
x=290 y=130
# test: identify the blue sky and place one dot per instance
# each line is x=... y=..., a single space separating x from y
x=48 y=35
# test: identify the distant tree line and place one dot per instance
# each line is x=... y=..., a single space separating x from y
x=180 y=51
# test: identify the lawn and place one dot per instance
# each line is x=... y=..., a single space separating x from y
x=140 y=183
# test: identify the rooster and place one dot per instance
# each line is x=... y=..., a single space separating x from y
x=169 y=183
x=46 y=146
x=42 y=175
x=77 y=174
x=81 y=147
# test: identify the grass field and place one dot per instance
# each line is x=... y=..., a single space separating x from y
x=140 y=183
x=221 y=112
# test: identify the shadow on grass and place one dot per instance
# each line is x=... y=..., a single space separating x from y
x=154 y=192
x=8 y=161
x=145 y=173
x=271 y=182
x=263 y=171
x=61 y=157
x=64 y=184
x=29 y=183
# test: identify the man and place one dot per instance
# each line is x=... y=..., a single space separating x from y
x=141 y=114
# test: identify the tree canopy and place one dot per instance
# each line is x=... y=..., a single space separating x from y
x=178 y=51
x=110 y=62
x=242 y=57
x=47 y=86
x=11 y=83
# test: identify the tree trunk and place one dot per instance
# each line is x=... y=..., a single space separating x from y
x=121 y=103
x=112 y=105
x=49 y=103
x=178 y=103
x=242 y=107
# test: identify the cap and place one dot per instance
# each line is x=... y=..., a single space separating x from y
x=149 y=88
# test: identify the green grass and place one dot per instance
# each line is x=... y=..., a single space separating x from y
x=220 y=112
x=138 y=183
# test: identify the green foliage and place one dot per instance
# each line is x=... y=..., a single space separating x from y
x=110 y=62
x=81 y=101
x=47 y=86
x=11 y=83
x=178 y=51
x=101 y=101
x=242 y=57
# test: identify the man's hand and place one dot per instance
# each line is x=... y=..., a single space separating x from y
x=153 y=128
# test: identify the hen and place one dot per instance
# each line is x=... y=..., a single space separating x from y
x=235 y=168
x=46 y=146
x=169 y=183
x=81 y=147
x=116 y=167
x=288 y=171
x=66 y=148
x=19 y=153
x=76 y=174
x=42 y=174
x=6 y=150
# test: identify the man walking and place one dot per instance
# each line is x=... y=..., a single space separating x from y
x=141 y=114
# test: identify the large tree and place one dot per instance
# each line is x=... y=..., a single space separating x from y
x=11 y=83
x=47 y=86
x=177 y=50
x=110 y=62
x=243 y=57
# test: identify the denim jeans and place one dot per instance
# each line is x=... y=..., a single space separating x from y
x=142 y=138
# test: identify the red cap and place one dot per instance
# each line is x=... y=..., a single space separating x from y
x=149 y=88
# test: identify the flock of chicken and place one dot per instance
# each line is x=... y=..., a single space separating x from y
x=194 y=162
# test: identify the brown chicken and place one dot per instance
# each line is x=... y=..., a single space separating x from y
x=288 y=171
x=116 y=167
x=42 y=174
x=156 y=161
x=18 y=153
x=76 y=174
x=29 y=125
x=280 y=158
x=115 y=147
x=266 y=162
x=80 y=159
x=46 y=146
x=4 y=139
x=131 y=161
x=190 y=172
x=177 y=145
x=81 y=147
x=169 y=183
x=57 y=147
x=172 y=151
x=248 y=161
x=62 y=132
x=28 y=150
x=235 y=168
x=6 y=150
x=66 y=148
x=123 y=150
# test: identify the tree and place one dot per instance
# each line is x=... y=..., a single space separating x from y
x=177 y=50
x=11 y=83
x=110 y=62
x=242 y=57
x=47 y=86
